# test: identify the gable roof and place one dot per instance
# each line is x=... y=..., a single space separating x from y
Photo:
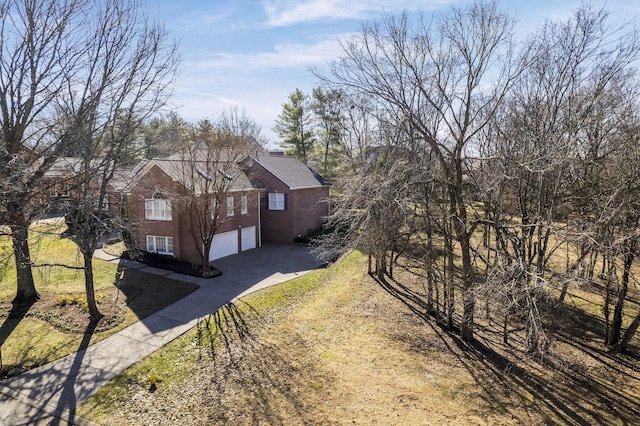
x=196 y=178
x=291 y=171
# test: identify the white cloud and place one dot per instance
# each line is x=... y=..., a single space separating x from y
x=288 y=12
x=283 y=56
x=259 y=81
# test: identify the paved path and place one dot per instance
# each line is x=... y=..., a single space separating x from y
x=49 y=394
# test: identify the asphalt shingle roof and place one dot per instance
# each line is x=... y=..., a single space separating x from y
x=291 y=171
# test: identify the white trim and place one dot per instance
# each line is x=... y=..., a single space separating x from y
x=152 y=244
x=310 y=187
x=244 y=204
x=231 y=211
x=259 y=228
x=279 y=201
x=158 y=209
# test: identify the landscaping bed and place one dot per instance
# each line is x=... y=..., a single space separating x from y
x=170 y=263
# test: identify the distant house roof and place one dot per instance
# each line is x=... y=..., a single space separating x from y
x=291 y=171
x=65 y=167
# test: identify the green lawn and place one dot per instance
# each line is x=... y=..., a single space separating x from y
x=47 y=247
x=55 y=325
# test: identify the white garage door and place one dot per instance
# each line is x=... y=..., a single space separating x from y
x=224 y=244
x=248 y=238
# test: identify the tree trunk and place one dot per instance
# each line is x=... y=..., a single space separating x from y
x=628 y=335
x=469 y=304
x=26 y=290
x=94 y=313
x=468 y=297
x=616 y=323
x=449 y=284
x=206 y=268
x=606 y=310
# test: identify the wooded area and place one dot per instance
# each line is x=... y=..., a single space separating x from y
x=506 y=172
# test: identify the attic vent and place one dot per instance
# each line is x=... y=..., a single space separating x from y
x=226 y=175
x=204 y=175
x=157 y=195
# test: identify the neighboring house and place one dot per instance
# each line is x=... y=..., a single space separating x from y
x=272 y=199
x=295 y=199
x=63 y=179
x=161 y=225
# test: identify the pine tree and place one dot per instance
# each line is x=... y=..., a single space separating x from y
x=294 y=126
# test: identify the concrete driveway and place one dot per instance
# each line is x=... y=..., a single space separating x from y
x=49 y=394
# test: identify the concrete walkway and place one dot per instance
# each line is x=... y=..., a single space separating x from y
x=49 y=394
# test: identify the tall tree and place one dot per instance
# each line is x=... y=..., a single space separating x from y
x=43 y=52
x=562 y=123
x=444 y=78
x=127 y=80
x=207 y=165
x=239 y=123
x=327 y=110
x=164 y=135
x=68 y=71
x=295 y=126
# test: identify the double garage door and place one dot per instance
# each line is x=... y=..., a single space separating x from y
x=226 y=243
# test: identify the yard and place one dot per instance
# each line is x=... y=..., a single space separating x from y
x=55 y=325
x=335 y=347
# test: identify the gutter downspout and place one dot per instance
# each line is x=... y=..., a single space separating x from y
x=259 y=203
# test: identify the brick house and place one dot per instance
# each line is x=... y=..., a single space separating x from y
x=63 y=181
x=271 y=199
x=160 y=224
x=295 y=199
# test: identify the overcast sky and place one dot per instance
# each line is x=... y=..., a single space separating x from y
x=254 y=53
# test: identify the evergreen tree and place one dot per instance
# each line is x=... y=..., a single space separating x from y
x=294 y=126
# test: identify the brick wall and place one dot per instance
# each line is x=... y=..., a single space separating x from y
x=309 y=207
x=304 y=213
x=185 y=247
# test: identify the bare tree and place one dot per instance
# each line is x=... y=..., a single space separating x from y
x=69 y=71
x=40 y=57
x=445 y=77
x=208 y=169
x=131 y=63
x=559 y=123
x=239 y=123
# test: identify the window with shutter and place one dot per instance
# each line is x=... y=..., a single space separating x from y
x=277 y=201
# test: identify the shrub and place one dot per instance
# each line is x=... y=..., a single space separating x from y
x=78 y=300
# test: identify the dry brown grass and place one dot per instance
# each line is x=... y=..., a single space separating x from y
x=340 y=349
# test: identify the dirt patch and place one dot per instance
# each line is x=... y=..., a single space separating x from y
x=73 y=318
x=136 y=291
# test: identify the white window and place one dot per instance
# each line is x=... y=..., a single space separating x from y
x=215 y=213
x=104 y=206
x=157 y=209
x=230 y=209
x=277 y=201
x=244 y=209
x=161 y=245
x=53 y=193
x=66 y=190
